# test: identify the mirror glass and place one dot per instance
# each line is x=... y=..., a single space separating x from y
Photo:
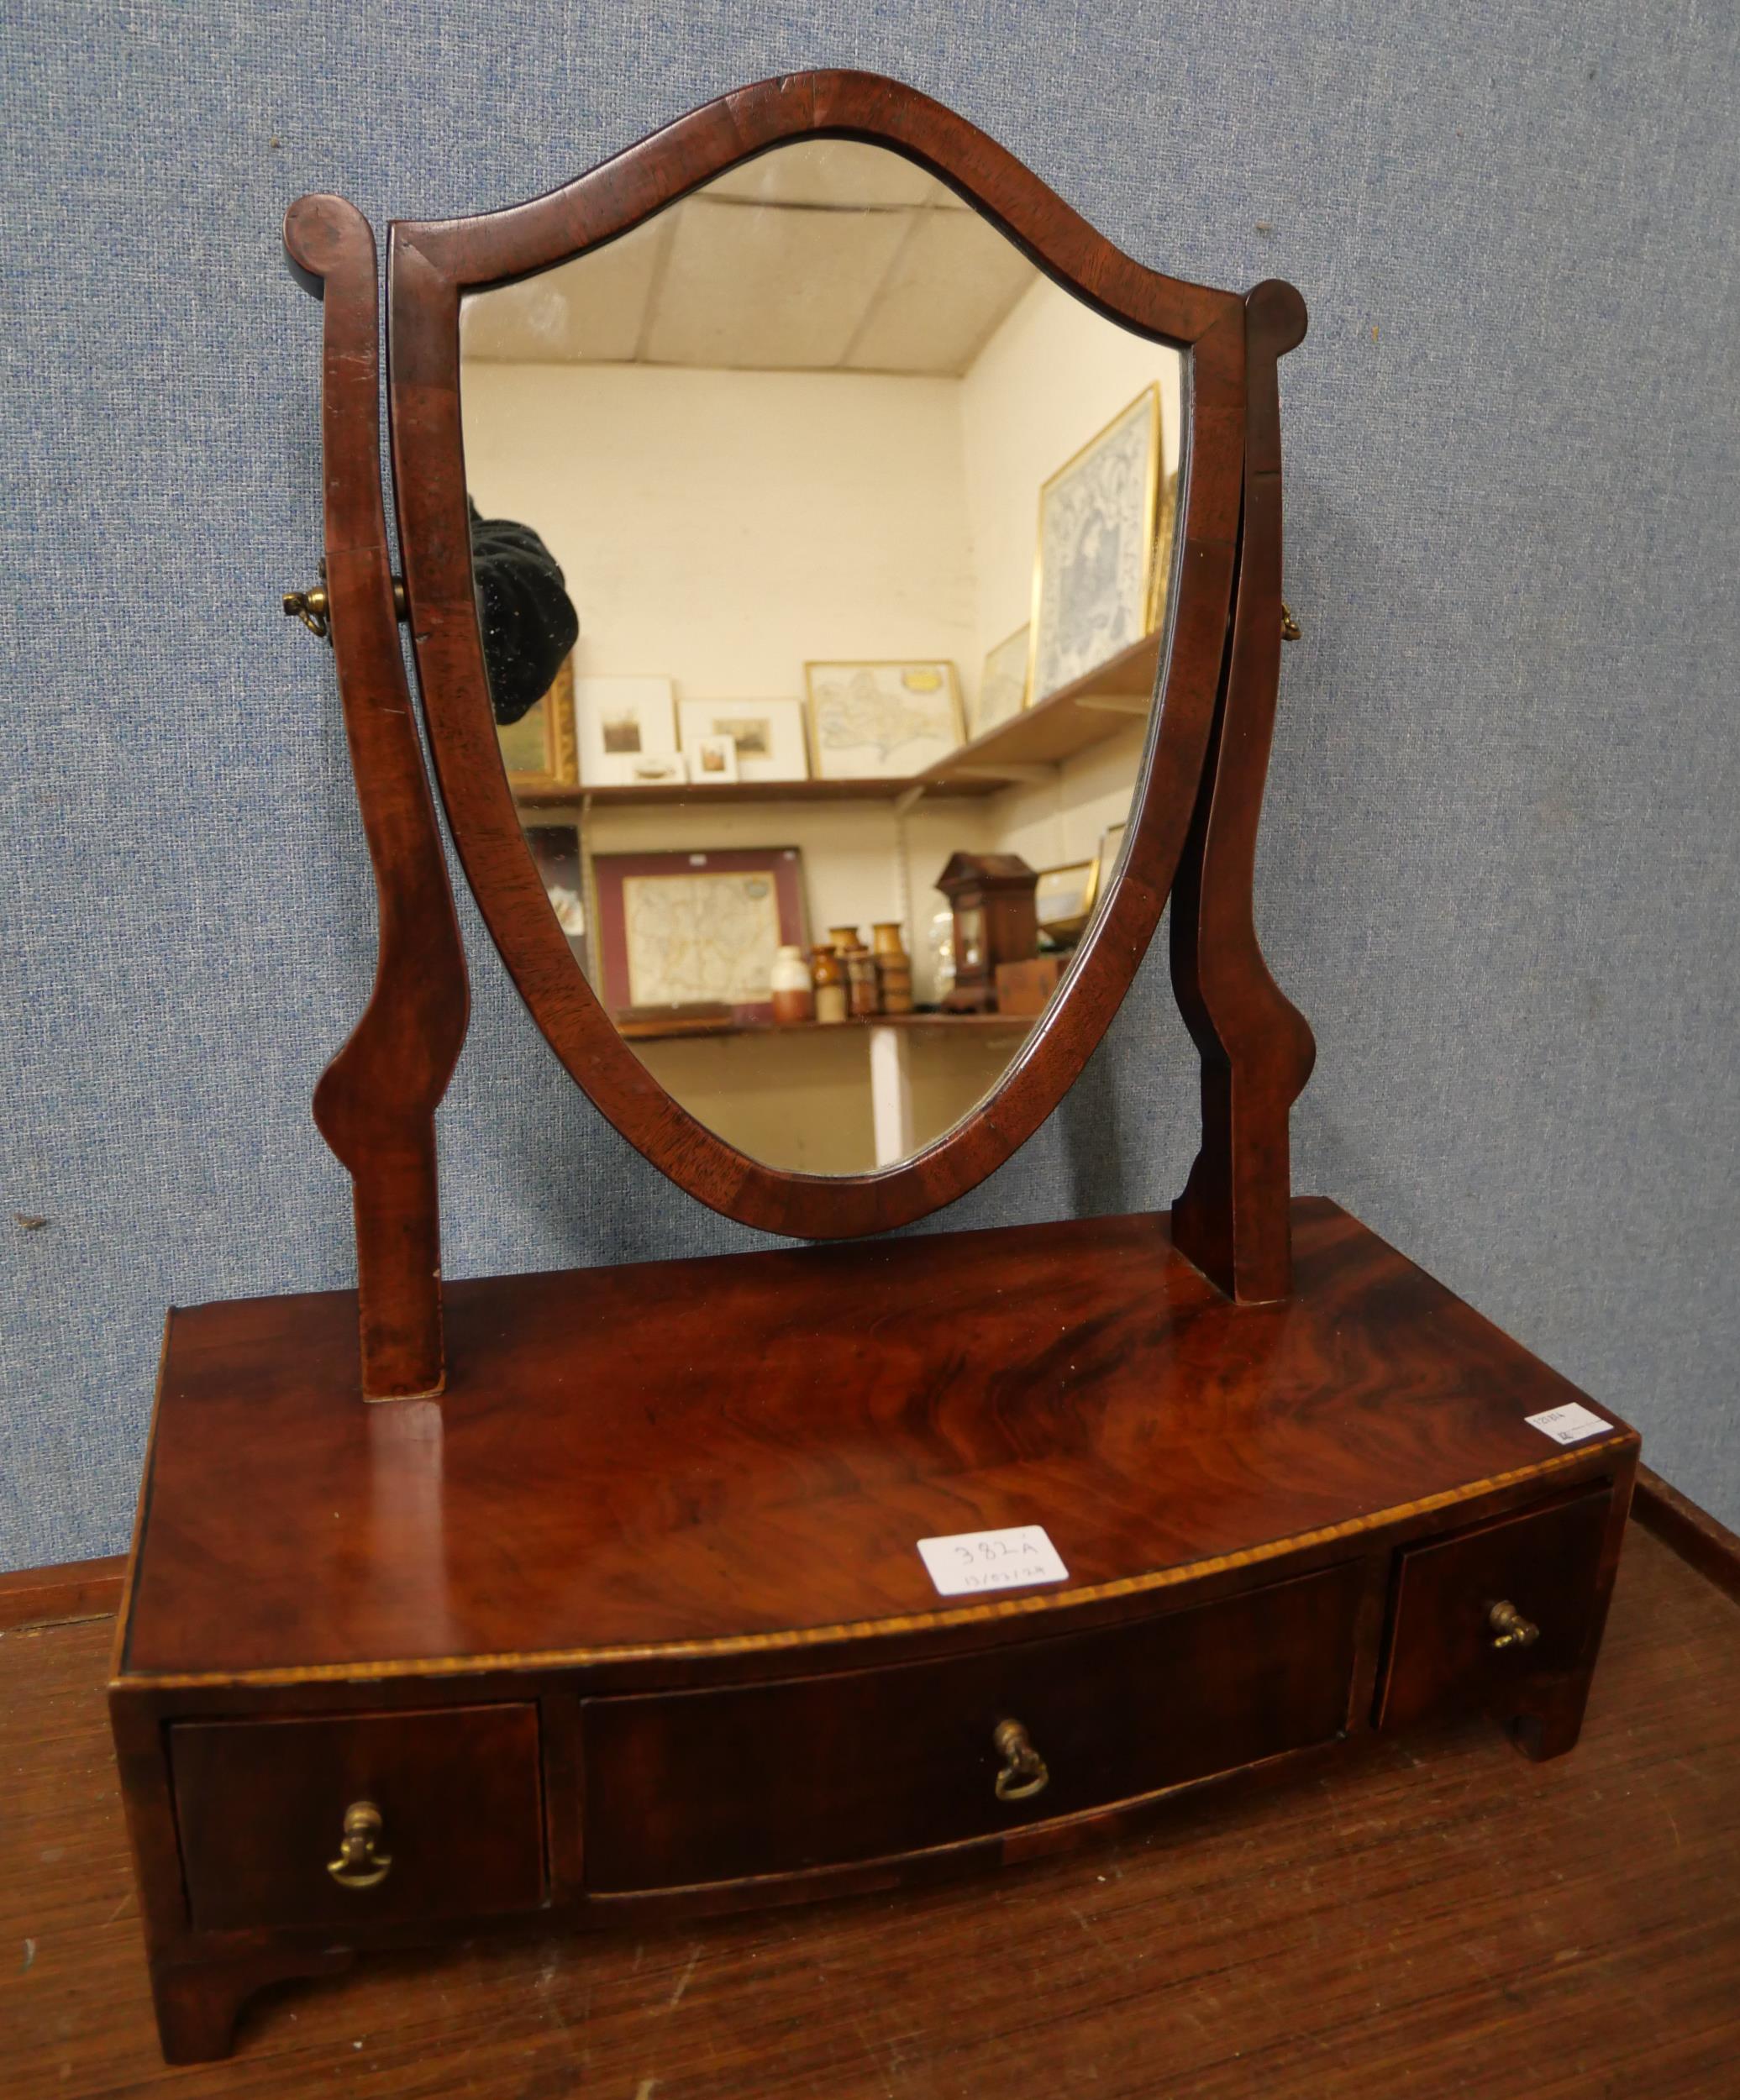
x=823 y=551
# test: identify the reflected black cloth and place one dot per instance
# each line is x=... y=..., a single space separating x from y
x=528 y=620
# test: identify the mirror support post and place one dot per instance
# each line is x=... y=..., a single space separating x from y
x=1233 y=1218
x=375 y=1102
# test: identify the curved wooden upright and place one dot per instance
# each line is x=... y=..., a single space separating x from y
x=1232 y=1218
x=375 y=1102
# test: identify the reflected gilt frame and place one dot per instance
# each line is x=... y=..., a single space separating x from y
x=1149 y=398
x=561 y=750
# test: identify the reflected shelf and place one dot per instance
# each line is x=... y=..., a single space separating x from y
x=1029 y=745
x=1089 y=710
x=857 y=1024
x=645 y=794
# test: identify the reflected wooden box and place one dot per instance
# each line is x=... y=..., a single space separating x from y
x=1025 y=989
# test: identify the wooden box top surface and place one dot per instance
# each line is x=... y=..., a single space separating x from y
x=725 y=1451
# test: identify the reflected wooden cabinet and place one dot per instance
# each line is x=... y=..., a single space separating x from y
x=617 y=1594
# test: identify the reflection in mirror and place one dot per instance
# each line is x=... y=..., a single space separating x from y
x=823 y=551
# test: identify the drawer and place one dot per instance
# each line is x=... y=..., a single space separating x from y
x=1444 y=1658
x=261 y=1807
x=699 y=1786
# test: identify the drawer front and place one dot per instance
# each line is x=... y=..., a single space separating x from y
x=262 y=1807
x=699 y=1786
x=1445 y=1653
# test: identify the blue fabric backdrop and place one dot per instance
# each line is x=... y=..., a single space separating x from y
x=1499 y=866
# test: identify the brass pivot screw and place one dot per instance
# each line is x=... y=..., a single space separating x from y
x=1291 y=629
x=1024 y=1772
x=358 y=1865
x=313 y=608
x=1510 y=1629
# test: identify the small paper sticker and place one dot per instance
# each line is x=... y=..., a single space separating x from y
x=972 y=1561
x=1570 y=1424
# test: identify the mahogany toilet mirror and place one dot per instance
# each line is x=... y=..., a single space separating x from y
x=957 y=300
x=802 y=510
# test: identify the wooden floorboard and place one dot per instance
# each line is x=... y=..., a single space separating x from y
x=1438 y=1918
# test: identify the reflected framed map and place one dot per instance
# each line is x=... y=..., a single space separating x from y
x=685 y=929
x=882 y=721
x=1093 y=582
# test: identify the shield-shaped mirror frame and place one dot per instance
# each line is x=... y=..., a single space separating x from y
x=433 y=266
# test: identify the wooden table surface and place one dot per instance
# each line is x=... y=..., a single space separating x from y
x=1438 y=1917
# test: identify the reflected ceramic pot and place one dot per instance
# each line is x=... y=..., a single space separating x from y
x=861 y=983
x=894 y=968
x=828 y=974
x=794 y=995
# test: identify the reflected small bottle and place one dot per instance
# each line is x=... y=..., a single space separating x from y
x=794 y=992
x=828 y=976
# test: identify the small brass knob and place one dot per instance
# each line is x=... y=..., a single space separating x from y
x=358 y=1865
x=1510 y=1629
x=1024 y=1772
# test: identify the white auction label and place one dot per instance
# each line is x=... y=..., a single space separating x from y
x=992 y=1560
x=1570 y=1424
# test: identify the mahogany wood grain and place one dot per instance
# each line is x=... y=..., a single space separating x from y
x=1431 y=1917
x=718 y=1786
x=375 y=1102
x=259 y=1807
x=431 y=265
x=1442 y=1661
x=1257 y=1051
x=604 y=1478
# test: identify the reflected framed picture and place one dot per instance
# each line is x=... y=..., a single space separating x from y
x=1063 y=898
x=1093 y=578
x=767 y=736
x=687 y=929
x=1112 y=844
x=882 y=721
x=1002 y=684
x=538 y=750
x=619 y=724
x=712 y=761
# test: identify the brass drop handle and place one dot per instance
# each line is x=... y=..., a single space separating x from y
x=358 y=1865
x=1024 y=1772
x=1510 y=1629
